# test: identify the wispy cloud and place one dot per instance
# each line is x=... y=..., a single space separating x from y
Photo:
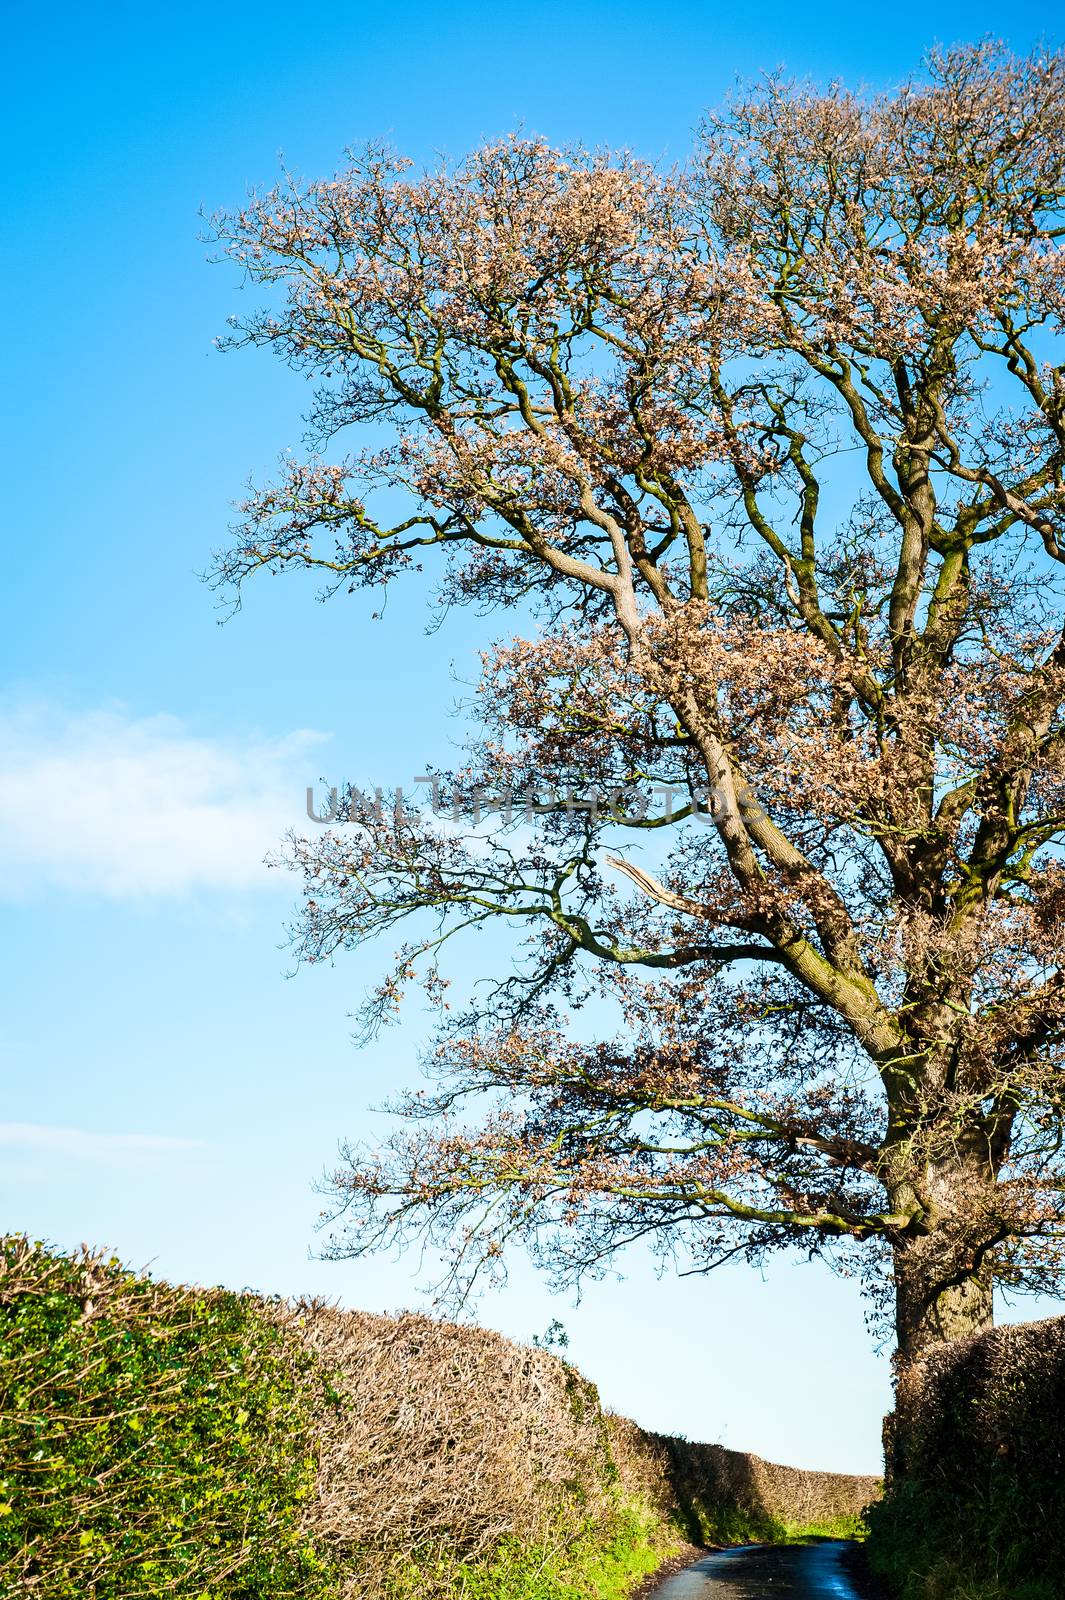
x=79 y=1143
x=109 y=803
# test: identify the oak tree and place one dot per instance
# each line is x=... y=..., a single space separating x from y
x=765 y=453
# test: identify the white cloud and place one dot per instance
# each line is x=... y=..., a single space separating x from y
x=80 y=1144
x=113 y=804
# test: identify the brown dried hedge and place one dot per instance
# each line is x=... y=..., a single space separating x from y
x=447 y=1440
x=443 y=1441
x=722 y=1496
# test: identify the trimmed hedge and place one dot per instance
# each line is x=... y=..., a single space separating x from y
x=167 y=1441
x=460 y=1463
x=975 y=1505
x=732 y=1497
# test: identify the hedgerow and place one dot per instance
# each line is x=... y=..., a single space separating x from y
x=169 y=1441
x=975 y=1501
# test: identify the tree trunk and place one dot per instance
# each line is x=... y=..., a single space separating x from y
x=931 y=1310
x=943 y=1277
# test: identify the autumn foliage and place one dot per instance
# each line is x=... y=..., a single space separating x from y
x=765 y=453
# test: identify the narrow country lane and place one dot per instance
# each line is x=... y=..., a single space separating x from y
x=765 y=1572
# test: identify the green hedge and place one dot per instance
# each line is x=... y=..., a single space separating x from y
x=153 y=1440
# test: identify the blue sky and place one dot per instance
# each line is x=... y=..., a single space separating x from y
x=167 y=1090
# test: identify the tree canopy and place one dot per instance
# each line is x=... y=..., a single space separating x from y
x=770 y=449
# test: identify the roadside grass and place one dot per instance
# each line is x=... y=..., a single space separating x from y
x=605 y=1563
x=946 y=1583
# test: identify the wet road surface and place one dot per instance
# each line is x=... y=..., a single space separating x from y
x=765 y=1572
